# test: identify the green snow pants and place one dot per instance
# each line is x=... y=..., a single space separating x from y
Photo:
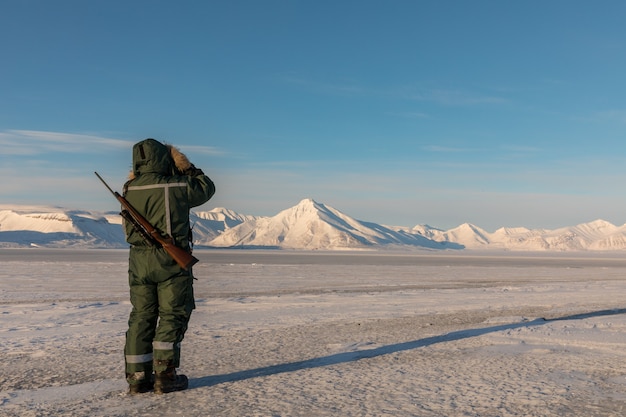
x=161 y=294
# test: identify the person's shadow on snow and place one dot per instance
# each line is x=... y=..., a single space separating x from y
x=346 y=357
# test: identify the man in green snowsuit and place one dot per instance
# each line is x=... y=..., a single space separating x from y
x=163 y=187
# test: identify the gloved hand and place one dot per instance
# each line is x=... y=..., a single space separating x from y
x=192 y=171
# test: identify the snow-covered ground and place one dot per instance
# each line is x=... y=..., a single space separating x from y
x=281 y=333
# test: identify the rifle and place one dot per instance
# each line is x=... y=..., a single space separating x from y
x=152 y=235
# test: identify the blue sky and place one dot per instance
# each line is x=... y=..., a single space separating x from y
x=396 y=112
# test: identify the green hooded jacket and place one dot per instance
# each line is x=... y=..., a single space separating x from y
x=163 y=187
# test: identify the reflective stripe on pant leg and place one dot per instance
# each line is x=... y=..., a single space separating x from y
x=138 y=367
x=141 y=359
x=156 y=345
x=168 y=352
x=176 y=303
x=143 y=318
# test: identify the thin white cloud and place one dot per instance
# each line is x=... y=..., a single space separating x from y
x=618 y=115
x=412 y=115
x=201 y=150
x=447 y=97
x=34 y=142
x=443 y=149
x=455 y=97
x=341 y=87
x=521 y=148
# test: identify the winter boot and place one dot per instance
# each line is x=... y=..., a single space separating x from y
x=138 y=383
x=167 y=380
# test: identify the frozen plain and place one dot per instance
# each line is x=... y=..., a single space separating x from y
x=280 y=333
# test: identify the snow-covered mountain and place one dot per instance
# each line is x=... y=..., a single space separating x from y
x=207 y=225
x=56 y=227
x=307 y=225
x=311 y=225
x=595 y=235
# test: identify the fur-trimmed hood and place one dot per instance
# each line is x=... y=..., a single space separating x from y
x=152 y=156
x=181 y=162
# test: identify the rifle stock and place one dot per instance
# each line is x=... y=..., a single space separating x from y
x=183 y=258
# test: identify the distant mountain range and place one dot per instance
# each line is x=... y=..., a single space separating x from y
x=308 y=225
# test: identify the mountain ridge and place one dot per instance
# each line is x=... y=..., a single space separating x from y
x=309 y=225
